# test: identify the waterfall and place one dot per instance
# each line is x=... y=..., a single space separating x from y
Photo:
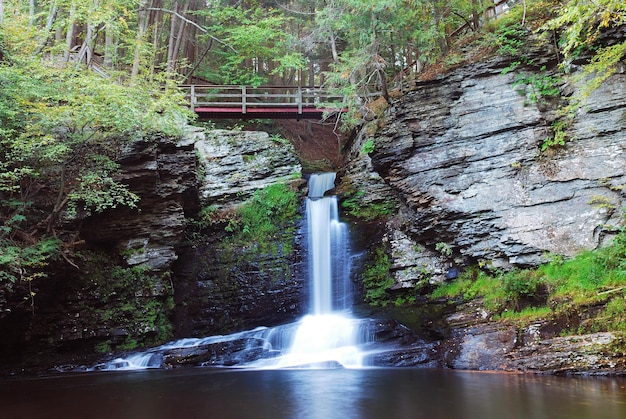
x=328 y=336
x=329 y=252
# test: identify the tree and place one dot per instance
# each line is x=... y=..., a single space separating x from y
x=61 y=130
x=582 y=24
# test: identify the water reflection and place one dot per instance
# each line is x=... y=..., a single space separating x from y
x=311 y=394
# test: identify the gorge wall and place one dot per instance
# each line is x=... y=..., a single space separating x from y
x=461 y=157
x=222 y=285
x=144 y=276
x=462 y=154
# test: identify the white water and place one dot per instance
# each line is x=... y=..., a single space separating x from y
x=325 y=338
x=328 y=336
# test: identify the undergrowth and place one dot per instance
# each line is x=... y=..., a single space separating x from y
x=265 y=223
x=558 y=288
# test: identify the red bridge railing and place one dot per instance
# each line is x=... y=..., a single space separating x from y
x=245 y=100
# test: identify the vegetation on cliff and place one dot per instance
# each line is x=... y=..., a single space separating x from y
x=586 y=294
x=62 y=130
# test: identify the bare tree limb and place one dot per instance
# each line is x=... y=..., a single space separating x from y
x=191 y=22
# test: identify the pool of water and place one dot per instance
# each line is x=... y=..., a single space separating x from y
x=316 y=394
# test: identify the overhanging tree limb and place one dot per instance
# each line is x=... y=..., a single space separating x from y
x=191 y=22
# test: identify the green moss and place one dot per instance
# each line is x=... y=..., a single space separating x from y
x=266 y=215
x=260 y=232
x=134 y=300
x=376 y=278
x=354 y=203
x=558 y=289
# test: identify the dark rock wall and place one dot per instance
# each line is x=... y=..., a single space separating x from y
x=221 y=288
x=120 y=294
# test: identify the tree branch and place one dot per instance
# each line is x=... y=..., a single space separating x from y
x=191 y=22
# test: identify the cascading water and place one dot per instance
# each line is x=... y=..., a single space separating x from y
x=327 y=337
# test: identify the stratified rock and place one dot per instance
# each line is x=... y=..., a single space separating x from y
x=162 y=173
x=474 y=341
x=473 y=176
x=220 y=288
x=235 y=164
x=462 y=154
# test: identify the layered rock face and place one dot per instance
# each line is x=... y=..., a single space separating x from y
x=235 y=164
x=221 y=289
x=163 y=174
x=119 y=293
x=463 y=155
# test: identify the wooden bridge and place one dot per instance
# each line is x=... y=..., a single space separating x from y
x=274 y=102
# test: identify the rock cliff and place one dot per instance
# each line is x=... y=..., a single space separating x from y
x=222 y=286
x=462 y=153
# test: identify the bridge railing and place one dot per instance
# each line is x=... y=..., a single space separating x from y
x=243 y=98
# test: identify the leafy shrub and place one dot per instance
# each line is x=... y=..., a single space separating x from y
x=269 y=212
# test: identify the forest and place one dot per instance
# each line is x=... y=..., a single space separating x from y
x=80 y=79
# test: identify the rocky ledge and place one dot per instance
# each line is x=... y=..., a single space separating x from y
x=474 y=342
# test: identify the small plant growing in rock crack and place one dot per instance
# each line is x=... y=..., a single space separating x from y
x=559 y=137
x=542 y=86
x=368 y=146
x=444 y=248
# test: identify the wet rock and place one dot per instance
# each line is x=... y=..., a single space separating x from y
x=474 y=341
x=221 y=288
x=589 y=354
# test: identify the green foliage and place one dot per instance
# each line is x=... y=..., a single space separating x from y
x=265 y=216
x=97 y=191
x=377 y=279
x=368 y=146
x=542 y=86
x=555 y=289
x=510 y=39
x=61 y=129
x=559 y=134
x=581 y=24
x=355 y=203
x=251 y=36
x=444 y=248
x=19 y=262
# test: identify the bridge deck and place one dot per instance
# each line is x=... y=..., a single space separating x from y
x=275 y=102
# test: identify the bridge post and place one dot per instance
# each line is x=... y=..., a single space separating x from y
x=243 y=99
x=193 y=99
x=299 y=99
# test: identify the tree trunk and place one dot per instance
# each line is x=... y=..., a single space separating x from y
x=31 y=12
x=51 y=16
x=172 y=38
x=84 y=54
x=142 y=23
x=179 y=38
x=333 y=46
x=475 y=15
x=69 y=35
x=109 y=47
x=1 y=11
